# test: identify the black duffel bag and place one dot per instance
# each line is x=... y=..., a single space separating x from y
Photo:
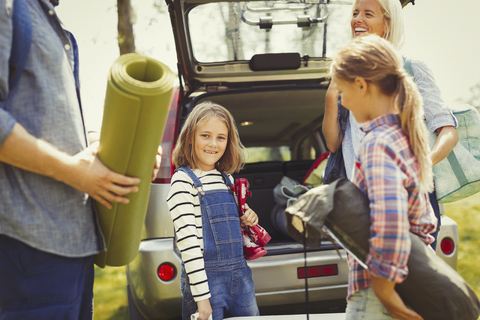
x=432 y=288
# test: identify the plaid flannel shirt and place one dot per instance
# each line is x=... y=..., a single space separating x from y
x=387 y=171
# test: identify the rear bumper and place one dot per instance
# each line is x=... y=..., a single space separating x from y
x=275 y=276
x=275 y=279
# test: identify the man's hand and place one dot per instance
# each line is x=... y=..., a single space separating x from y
x=204 y=309
x=94 y=178
x=384 y=289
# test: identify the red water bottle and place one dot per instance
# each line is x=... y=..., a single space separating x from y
x=258 y=234
x=251 y=250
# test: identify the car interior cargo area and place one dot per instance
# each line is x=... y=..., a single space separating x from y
x=281 y=131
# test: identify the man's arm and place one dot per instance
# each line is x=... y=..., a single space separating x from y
x=83 y=171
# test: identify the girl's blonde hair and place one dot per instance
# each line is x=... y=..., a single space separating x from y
x=375 y=60
x=392 y=16
x=184 y=155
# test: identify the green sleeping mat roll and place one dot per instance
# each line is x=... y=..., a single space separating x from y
x=137 y=98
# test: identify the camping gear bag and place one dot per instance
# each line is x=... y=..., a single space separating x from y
x=458 y=175
x=432 y=288
x=285 y=193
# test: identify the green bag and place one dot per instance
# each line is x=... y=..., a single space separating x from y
x=138 y=95
x=458 y=175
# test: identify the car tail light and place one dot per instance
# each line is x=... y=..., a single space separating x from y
x=447 y=245
x=166 y=272
x=318 y=271
x=169 y=139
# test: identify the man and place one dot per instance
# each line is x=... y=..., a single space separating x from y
x=48 y=227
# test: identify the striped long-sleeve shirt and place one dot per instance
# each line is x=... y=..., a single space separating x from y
x=387 y=171
x=184 y=206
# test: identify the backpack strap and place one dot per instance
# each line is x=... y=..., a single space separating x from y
x=22 y=37
x=76 y=72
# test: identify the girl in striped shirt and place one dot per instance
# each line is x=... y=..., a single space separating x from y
x=215 y=277
x=392 y=167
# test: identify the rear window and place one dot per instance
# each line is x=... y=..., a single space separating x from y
x=260 y=154
x=307 y=149
x=231 y=31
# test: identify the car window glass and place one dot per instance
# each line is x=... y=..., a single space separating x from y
x=230 y=31
x=260 y=154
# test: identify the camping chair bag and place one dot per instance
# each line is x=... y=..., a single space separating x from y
x=458 y=175
x=432 y=288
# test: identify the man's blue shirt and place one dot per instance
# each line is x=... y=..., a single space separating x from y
x=37 y=210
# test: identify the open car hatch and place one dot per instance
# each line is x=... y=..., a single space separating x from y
x=232 y=44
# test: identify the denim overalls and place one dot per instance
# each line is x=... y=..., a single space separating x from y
x=229 y=277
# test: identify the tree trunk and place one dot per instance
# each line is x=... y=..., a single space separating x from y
x=126 y=39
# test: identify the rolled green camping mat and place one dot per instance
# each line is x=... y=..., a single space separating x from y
x=138 y=94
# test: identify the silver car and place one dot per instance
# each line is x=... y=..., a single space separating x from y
x=267 y=63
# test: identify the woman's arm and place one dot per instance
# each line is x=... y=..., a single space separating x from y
x=330 y=120
x=446 y=141
x=439 y=118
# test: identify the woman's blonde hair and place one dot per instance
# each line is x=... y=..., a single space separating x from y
x=184 y=155
x=392 y=16
x=375 y=60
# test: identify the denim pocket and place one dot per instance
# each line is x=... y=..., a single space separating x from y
x=225 y=223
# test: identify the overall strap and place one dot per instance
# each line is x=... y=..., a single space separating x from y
x=196 y=182
x=227 y=181
x=22 y=37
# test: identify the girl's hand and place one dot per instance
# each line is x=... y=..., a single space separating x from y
x=249 y=218
x=385 y=291
x=204 y=309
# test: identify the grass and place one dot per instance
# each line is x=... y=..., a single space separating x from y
x=110 y=302
x=467 y=215
x=110 y=283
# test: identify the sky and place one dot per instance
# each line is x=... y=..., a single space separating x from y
x=445 y=34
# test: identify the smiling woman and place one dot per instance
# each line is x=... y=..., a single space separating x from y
x=367 y=17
